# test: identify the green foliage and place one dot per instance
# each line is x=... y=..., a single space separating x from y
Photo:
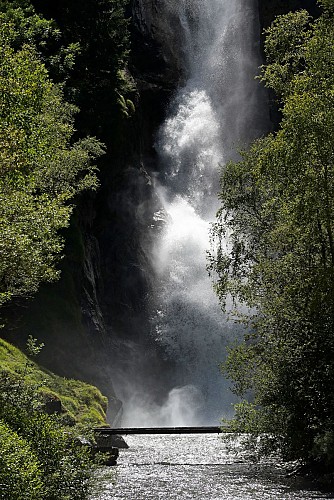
x=26 y=27
x=83 y=405
x=56 y=467
x=40 y=456
x=284 y=49
x=33 y=349
x=277 y=214
x=20 y=471
x=40 y=171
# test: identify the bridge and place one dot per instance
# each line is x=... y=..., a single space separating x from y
x=158 y=430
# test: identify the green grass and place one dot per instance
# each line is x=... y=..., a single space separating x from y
x=82 y=404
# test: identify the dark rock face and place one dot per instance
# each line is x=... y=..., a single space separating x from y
x=125 y=204
x=161 y=57
x=109 y=451
x=105 y=442
x=52 y=405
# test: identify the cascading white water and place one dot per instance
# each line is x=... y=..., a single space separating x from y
x=216 y=111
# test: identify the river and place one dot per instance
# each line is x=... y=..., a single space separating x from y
x=179 y=467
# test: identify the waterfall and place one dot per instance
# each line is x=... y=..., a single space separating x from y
x=218 y=108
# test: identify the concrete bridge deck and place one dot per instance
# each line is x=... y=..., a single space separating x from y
x=158 y=430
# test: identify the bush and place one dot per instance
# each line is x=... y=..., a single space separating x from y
x=62 y=469
x=20 y=470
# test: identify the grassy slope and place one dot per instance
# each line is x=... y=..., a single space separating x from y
x=81 y=403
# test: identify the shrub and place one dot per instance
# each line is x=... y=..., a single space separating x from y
x=20 y=470
x=63 y=468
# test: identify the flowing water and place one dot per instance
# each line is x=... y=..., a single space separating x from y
x=218 y=108
x=179 y=467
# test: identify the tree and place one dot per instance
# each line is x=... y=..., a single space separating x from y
x=40 y=170
x=27 y=27
x=277 y=215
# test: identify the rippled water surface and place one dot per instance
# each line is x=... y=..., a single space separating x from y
x=195 y=467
